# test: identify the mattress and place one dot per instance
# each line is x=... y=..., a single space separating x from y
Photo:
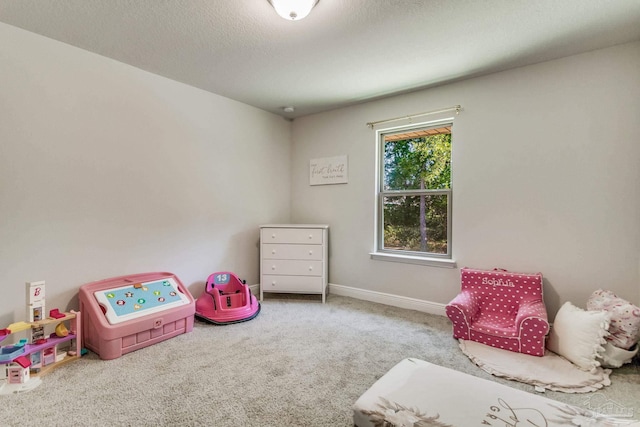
x=416 y=393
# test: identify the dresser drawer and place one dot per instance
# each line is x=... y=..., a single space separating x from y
x=292 y=267
x=301 y=284
x=291 y=235
x=311 y=252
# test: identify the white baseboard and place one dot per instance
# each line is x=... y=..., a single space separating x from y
x=389 y=299
x=379 y=297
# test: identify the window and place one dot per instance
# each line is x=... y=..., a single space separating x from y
x=414 y=191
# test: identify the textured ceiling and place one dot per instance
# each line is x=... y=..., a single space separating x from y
x=344 y=52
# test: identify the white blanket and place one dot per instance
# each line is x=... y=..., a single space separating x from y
x=550 y=371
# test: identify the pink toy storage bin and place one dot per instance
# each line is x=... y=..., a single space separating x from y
x=110 y=331
x=502 y=309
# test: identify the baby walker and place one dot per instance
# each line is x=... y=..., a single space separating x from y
x=226 y=299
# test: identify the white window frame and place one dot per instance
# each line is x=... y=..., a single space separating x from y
x=410 y=257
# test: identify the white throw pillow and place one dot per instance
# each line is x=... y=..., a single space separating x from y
x=579 y=335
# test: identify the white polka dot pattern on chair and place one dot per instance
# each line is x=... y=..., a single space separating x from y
x=501 y=309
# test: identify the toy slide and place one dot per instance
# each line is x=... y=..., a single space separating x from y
x=13 y=328
x=19 y=326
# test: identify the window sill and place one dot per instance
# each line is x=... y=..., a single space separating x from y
x=408 y=259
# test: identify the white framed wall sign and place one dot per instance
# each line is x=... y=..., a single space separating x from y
x=328 y=170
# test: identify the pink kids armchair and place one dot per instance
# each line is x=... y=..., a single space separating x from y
x=500 y=309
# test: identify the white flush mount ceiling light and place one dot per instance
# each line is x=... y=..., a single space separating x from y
x=293 y=10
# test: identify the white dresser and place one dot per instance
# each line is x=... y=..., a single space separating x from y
x=294 y=258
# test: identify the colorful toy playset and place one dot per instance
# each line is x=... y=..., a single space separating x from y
x=23 y=361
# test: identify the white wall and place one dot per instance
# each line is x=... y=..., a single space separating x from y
x=108 y=170
x=546 y=163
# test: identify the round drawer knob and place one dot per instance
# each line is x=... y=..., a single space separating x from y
x=273 y=236
x=310 y=252
x=273 y=267
x=273 y=252
x=310 y=268
x=273 y=283
x=311 y=236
